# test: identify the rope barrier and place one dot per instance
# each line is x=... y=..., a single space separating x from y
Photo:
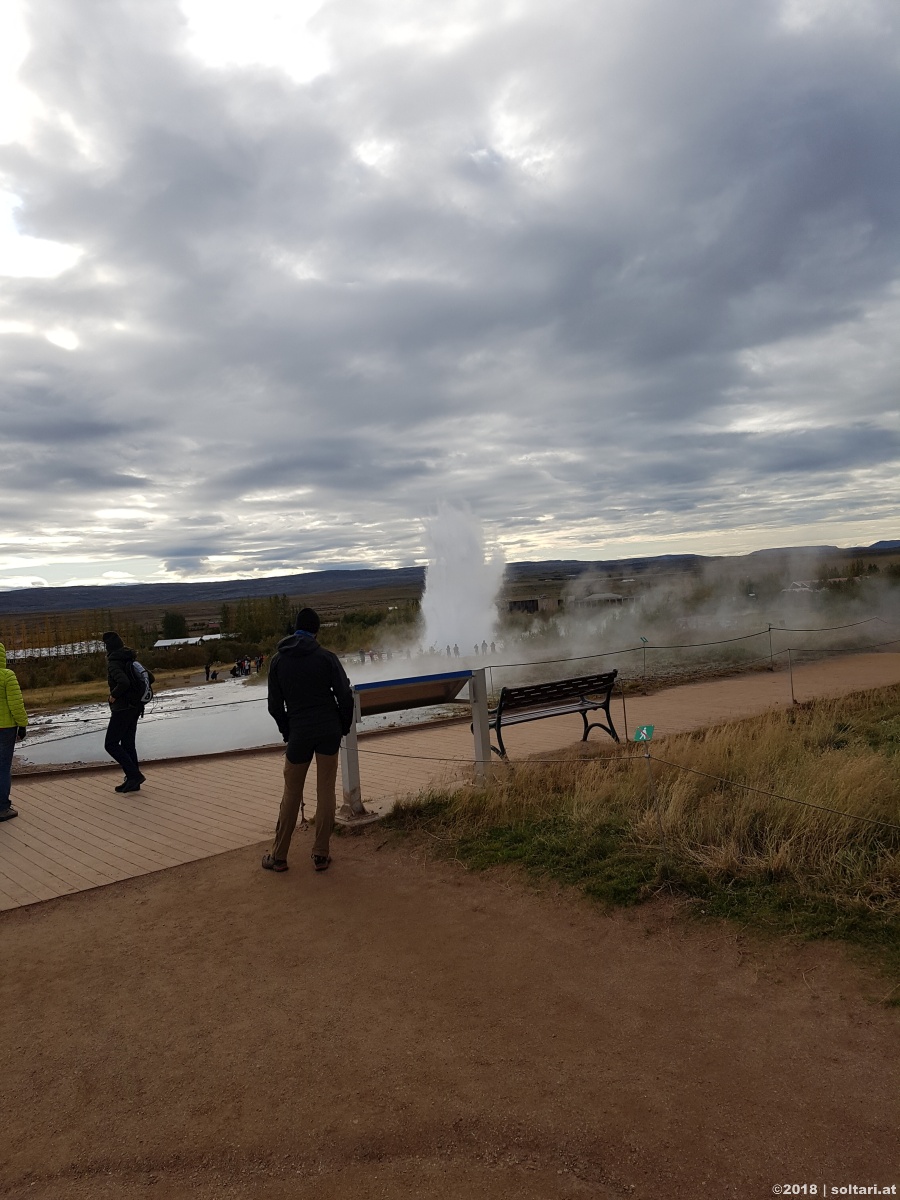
x=536 y=762
x=165 y=716
x=839 y=649
x=838 y=812
x=603 y=760
x=654 y=758
x=156 y=715
x=825 y=628
x=690 y=645
x=160 y=716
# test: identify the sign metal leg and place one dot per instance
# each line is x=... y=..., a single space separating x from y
x=480 y=725
x=352 y=811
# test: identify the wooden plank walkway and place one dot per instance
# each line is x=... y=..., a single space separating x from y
x=75 y=832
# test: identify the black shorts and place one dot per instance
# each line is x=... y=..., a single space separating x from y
x=308 y=738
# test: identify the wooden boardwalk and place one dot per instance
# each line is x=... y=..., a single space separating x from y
x=75 y=832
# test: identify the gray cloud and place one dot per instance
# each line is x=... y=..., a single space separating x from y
x=634 y=266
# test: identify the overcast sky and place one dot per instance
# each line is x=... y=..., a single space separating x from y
x=279 y=278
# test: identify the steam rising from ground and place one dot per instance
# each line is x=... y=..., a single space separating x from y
x=648 y=619
x=728 y=613
x=461 y=583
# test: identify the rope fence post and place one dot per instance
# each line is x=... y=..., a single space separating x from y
x=352 y=807
x=771 y=658
x=654 y=799
x=480 y=725
x=644 y=736
x=791 y=674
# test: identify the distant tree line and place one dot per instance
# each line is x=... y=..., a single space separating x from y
x=174 y=625
x=62 y=648
x=257 y=619
x=50 y=649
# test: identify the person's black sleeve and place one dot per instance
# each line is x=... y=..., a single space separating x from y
x=277 y=707
x=121 y=682
x=343 y=693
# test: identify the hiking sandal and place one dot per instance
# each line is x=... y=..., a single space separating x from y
x=321 y=861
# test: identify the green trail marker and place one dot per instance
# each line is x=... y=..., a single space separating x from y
x=644 y=733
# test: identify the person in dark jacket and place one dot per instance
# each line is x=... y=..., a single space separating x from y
x=311 y=703
x=125 y=710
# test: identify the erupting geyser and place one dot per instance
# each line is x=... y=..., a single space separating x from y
x=461 y=582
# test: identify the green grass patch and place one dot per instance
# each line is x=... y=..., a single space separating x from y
x=596 y=860
x=784 y=909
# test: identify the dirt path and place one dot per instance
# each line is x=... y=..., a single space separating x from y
x=399 y=1027
x=402 y=1028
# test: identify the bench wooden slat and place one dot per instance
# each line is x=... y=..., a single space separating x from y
x=537 y=714
x=534 y=702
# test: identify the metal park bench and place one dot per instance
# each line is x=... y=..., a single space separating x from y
x=588 y=693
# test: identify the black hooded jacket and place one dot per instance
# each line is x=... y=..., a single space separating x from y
x=307 y=682
x=123 y=686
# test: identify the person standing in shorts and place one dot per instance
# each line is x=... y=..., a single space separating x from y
x=13 y=720
x=311 y=703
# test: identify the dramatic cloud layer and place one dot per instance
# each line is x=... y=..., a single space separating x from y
x=622 y=276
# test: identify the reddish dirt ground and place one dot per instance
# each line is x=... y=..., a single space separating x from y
x=400 y=1027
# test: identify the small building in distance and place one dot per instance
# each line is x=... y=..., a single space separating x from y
x=534 y=604
x=599 y=600
x=168 y=643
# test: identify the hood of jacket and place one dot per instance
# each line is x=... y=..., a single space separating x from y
x=300 y=644
x=123 y=655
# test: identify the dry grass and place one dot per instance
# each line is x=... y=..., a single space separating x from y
x=64 y=695
x=710 y=820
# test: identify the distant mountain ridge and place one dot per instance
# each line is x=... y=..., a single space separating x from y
x=134 y=595
x=310 y=583
x=307 y=583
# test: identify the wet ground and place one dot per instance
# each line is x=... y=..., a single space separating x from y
x=204 y=719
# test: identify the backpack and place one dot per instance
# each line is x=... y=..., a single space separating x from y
x=143 y=683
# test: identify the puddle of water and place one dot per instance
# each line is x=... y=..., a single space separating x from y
x=200 y=720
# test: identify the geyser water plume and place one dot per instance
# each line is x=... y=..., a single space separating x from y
x=461 y=581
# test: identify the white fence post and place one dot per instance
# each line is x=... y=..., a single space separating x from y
x=353 y=805
x=480 y=726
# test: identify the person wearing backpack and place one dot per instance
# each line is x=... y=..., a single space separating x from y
x=13 y=720
x=127 y=690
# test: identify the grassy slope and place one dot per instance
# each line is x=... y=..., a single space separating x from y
x=589 y=820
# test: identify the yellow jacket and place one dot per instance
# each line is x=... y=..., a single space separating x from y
x=12 y=707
